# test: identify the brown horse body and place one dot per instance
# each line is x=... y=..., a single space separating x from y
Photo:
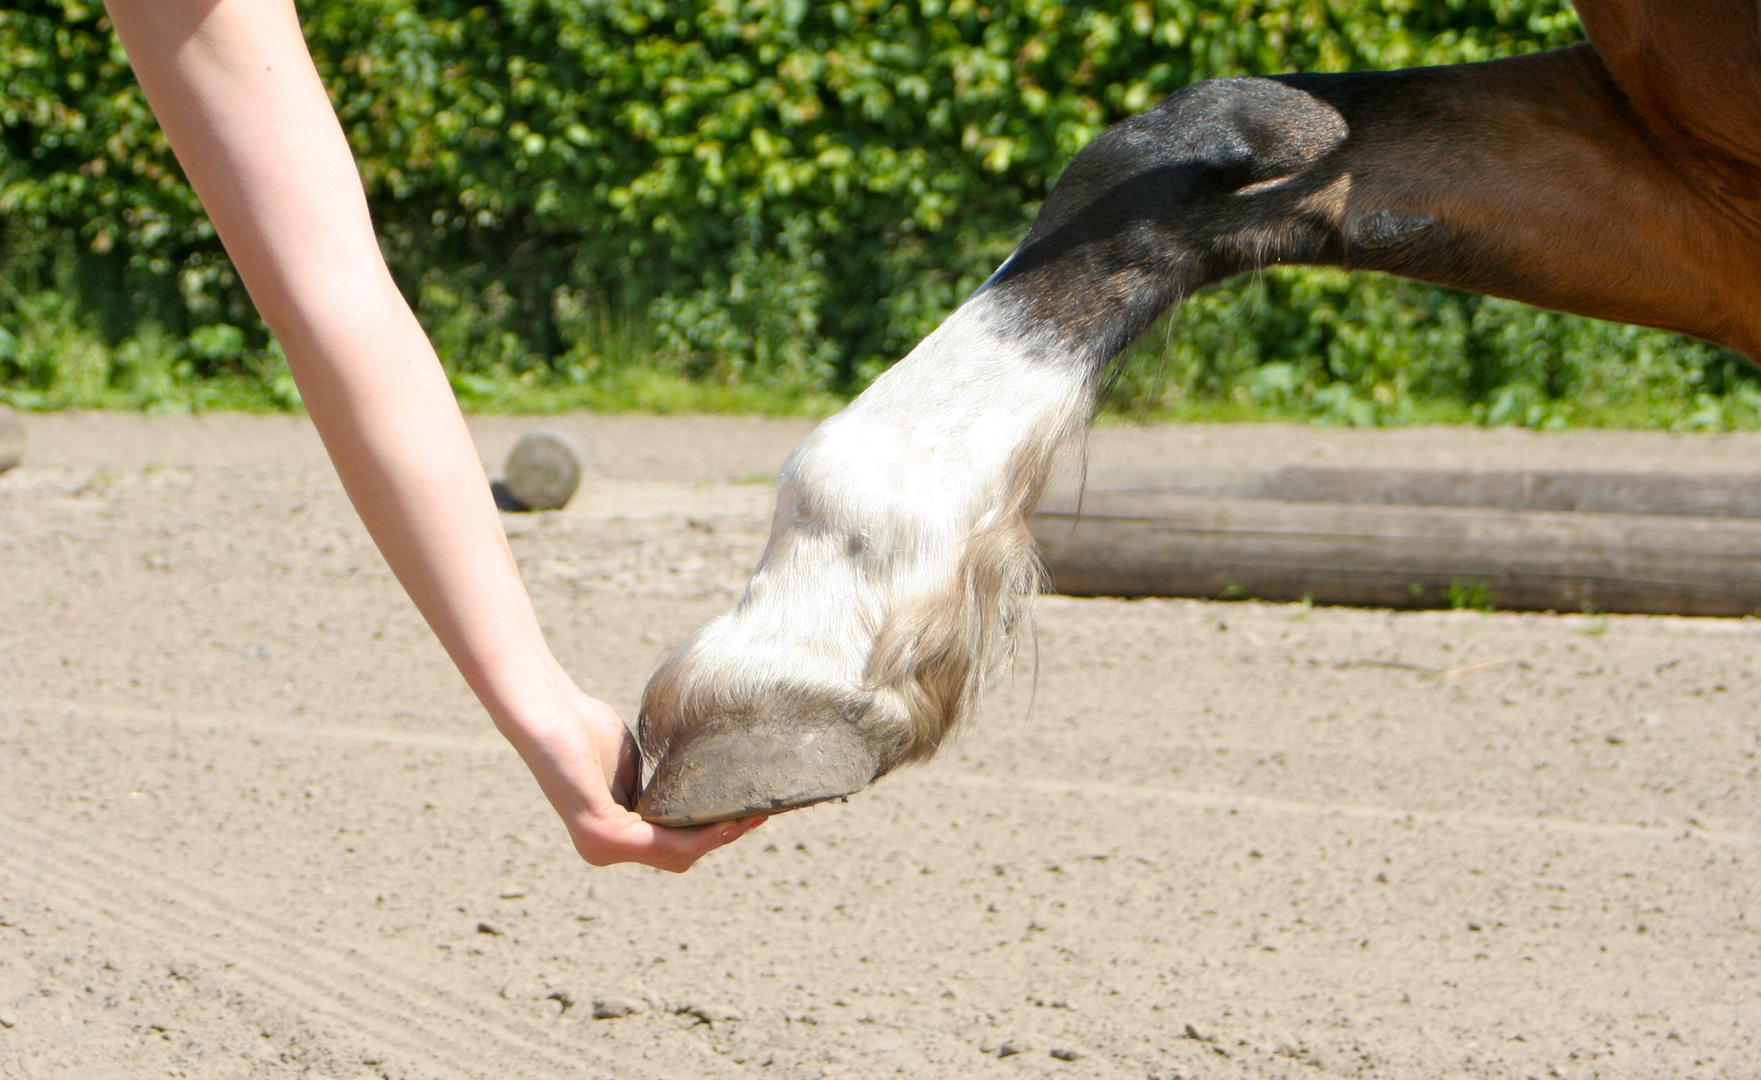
x=1619 y=179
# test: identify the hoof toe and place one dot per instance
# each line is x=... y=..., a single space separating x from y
x=729 y=771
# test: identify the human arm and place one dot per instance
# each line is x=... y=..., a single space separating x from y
x=237 y=94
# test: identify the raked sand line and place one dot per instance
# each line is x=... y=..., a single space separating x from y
x=1219 y=800
x=231 y=723
x=363 y=998
x=1090 y=790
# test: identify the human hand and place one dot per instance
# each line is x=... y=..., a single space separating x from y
x=586 y=762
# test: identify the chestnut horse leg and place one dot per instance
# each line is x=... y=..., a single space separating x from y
x=1691 y=74
x=1542 y=184
x=899 y=563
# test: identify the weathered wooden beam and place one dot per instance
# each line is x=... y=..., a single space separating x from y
x=1589 y=492
x=1160 y=544
x=11 y=439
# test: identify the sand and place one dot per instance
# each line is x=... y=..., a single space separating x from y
x=253 y=825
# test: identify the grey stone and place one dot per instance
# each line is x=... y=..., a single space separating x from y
x=525 y=989
x=614 y=1008
x=712 y=1013
x=543 y=471
x=11 y=438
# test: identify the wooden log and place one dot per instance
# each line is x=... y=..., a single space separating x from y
x=11 y=439
x=1157 y=544
x=1588 y=492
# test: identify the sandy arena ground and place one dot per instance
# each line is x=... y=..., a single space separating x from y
x=252 y=824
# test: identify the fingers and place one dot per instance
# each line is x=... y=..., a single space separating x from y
x=627 y=838
x=589 y=769
x=682 y=852
x=706 y=839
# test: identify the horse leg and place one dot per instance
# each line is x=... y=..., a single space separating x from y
x=899 y=563
x=1691 y=75
x=1535 y=178
x=898 y=567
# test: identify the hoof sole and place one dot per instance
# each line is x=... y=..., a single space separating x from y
x=731 y=771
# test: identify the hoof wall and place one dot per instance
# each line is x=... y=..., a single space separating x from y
x=731 y=771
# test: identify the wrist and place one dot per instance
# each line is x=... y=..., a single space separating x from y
x=524 y=690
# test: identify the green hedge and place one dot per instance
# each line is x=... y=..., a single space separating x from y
x=769 y=200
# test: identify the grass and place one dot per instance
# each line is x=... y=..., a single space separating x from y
x=645 y=391
x=164 y=391
x=149 y=374
x=1703 y=413
x=1470 y=596
x=1259 y=350
x=55 y=363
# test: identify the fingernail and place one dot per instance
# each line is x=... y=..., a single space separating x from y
x=730 y=832
x=755 y=824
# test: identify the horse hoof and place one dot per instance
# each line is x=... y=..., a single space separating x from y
x=733 y=770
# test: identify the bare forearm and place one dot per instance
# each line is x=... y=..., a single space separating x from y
x=237 y=94
x=254 y=130
x=391 y=425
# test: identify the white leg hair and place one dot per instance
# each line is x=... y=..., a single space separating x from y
x=899 y=566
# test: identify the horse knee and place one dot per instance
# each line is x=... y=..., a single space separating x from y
x=1221 y=177
x=1219 y=137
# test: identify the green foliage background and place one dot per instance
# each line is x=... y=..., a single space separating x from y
x=757 y=204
